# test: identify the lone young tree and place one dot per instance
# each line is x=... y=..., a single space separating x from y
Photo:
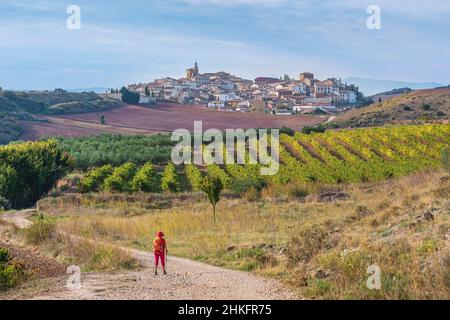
x=212 y=187
x=102 y=119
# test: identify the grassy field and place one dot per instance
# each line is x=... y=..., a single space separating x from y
x=321 y=248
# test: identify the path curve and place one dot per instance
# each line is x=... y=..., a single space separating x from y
x=187 y=280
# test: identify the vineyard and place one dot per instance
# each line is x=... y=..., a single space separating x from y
x=358 y=155
x=361 y=155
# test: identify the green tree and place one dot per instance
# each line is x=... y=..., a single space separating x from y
x=147 y=91
x=145 y=179
x=170 y=180
x=120 y=180
x=102 y=119
x=129 y=96
x=214 y=171
x=212 y=187
x=94 y=180
x=30 y=170
x=8 y=182
x=194 y=177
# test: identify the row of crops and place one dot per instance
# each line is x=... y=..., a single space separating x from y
x=357 y=155
x=362 y=154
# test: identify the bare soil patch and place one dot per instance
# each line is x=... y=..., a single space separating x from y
x=164 y=117
x=40 y=266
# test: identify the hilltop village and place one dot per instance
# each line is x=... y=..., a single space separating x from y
x=224 y=91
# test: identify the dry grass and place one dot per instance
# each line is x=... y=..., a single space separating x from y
x=407 y=108
x=293 y=239
x=90 y=255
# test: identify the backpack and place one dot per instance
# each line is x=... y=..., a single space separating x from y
x=159 y=245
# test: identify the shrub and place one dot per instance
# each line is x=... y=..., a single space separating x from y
x=241 y=186
x=426 y=107
x=11 y=272
x=316 y=129
x=287 y=130
x=296 y=191
x=4 y=256
x=170 y=179
x=319 y=112
x=40 y=231
x=145 y=179
x=214 y=171
x=252 y=194
x=445 y=158
x=94 y=180
x=120 y=180
x=4 y=204
x=30 y=170
x=194 y=177
x=307 y=244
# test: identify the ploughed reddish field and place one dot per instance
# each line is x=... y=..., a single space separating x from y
x=166 y=117
x=37 y=130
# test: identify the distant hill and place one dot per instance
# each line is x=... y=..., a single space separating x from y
x=55 y=102
x=431 y=105
x=93 y=89
x=19 y=105
x=380 y=97
x=374 y=86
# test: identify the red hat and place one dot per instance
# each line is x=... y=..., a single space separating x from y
x=160 y=234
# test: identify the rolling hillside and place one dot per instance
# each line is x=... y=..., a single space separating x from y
x=55 y=102
x=411 y=108
x=15 y=106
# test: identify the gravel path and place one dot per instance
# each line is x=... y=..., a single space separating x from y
x=19 y=218
x=186 y=280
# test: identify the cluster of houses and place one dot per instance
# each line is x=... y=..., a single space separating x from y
x=224 y=91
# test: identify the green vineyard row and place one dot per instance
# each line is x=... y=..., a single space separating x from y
x=356 y=155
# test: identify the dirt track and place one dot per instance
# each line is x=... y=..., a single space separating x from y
x=187 y=280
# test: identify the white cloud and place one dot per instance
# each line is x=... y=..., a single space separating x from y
x=328 y=38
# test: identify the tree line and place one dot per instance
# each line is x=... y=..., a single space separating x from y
x=116 y=150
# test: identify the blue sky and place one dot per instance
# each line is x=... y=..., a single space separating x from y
x=122 y=42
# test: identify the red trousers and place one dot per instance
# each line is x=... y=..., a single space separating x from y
x=161 y=256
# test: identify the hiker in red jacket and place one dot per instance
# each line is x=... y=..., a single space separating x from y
x=160 y=251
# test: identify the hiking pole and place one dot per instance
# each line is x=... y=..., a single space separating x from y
x=167 y=258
